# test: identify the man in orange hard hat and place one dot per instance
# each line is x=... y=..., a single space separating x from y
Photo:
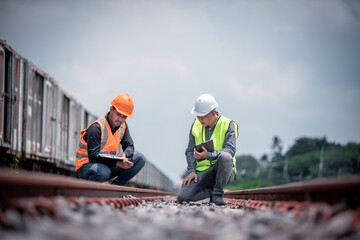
x=100 y=142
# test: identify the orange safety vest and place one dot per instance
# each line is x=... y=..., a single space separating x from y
x=109 y=142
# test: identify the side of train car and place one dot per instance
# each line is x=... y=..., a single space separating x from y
x=150 y=175
x=40 y=122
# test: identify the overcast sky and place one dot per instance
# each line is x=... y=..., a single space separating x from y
x=285 y=68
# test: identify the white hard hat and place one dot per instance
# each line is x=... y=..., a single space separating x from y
x=204 y=104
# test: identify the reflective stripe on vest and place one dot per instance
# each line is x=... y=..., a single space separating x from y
x=218 y=137
x=109 y=142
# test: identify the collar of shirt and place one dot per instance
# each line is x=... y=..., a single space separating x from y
x=209 y=130
x=214 y=124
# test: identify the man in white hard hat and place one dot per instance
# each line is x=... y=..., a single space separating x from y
x=209 y=171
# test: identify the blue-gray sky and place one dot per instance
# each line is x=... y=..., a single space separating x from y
x=286 y=68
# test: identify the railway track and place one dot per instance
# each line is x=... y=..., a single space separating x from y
x=29 y=184
x=322 y=202
x=320 y=199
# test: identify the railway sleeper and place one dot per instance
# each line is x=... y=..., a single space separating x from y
x=51 y=206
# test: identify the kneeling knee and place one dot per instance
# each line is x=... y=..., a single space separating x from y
x=99 y=176
x=183 y=196
x=139 y=158
x=225 y=157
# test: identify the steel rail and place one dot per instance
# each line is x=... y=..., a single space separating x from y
x=330 y=191
x=317 y=200
x=18 y=184
x=33 y=192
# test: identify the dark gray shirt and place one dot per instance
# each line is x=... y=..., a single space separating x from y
x=229 y=145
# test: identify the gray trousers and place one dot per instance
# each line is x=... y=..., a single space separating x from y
x=211 y=181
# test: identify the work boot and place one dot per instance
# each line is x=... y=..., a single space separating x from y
x=217 y=199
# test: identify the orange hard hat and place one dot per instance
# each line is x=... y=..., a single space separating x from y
x=124 y=104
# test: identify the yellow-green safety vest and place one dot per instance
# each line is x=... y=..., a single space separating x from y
x=218 y=137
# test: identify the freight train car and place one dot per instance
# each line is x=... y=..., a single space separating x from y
x=40 y=122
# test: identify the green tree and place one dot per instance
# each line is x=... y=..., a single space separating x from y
x=304 y=145
x=264 y=161
x=351 y=153
x=276 y=145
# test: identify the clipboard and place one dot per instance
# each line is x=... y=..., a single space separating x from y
x=111 y=157
x=209 y=146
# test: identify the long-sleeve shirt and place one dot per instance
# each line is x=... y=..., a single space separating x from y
x=228 y=146
x=93 y=139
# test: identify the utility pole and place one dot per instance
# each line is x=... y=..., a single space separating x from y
x=285 y=165
x=321 y=161
x=285 y=175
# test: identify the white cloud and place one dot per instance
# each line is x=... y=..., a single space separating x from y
x=161 y=63
x=266 y=80
x=125 y=69
x=122 y=74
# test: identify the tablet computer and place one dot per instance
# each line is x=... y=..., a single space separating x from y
x=112 y=157
x=209 y=146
